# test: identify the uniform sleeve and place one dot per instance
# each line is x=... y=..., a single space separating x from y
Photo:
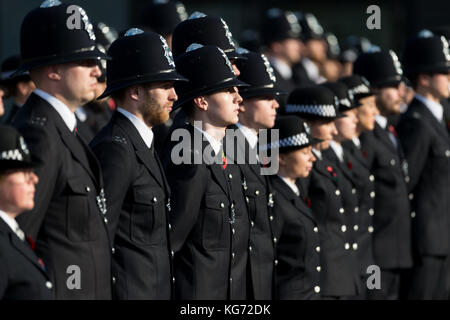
x=117 y=169
x=415 y=143
x=42 y=148
x=188 y=185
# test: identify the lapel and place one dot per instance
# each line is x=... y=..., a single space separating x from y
x=342 y=166
x=321 y=167
x=383 y=136
x=284 y=190
x=142 y=151
x=19 y=245
x=350 y=147
x=418 y=106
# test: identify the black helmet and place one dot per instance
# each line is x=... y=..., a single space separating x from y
x=49 y=35
x=9 y=74
x=344 y=95
x=279 y=25
x=358 y=87
x=311 y=28
x=162 y=16
x=139 y=57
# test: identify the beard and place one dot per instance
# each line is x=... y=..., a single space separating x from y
x=153 y=111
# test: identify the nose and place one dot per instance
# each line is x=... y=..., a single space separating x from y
x=236 y=70
x=275 y=104
x=173 y=94
x=334 y=131
x=96 y=72
x=34 y=178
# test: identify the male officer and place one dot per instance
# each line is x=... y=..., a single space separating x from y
x=257 y=111
x=209 y=228
x=69 y=219
x=18 y=87
x=135 y=185
x=426 y=143
x=392 y=213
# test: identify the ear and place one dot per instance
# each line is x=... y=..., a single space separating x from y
x=282 y=159
x=423 y=80
x=53 y=72
x=133 y=93
x=201 y=103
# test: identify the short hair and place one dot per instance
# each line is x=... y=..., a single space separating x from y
x=119 y=95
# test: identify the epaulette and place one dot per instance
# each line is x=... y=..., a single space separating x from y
x=119 y=139
x=38 y=121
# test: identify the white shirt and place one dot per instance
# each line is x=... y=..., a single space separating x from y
x=81 y=114
x=312 y=70
x=337 y=148
x=317 y=153
x=291 y=185
x=251 y=137
x=63 y=110
x=282 y=67
x=357 y=142
x=12 y=223
x=382 y=121
x=435 y=108
x=145 y=132
x=216 y=145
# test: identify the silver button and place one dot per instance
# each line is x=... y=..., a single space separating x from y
x=370 y=229
x=371 y=212
x=316 y=229
x=372 y=194
x=247 y=199
x=447 y=153
x=113 y=250
x=355 y=246
x=353 y=191
x=222 y=205
x=318 y=249
x=230 y=176
x=250 y=248
x=231 y=279
x=49 y=285
x=113 y=280
x=355 y=227
x=341 y=210
x=347 y=246
x=356 y=209
x=232 y=254
x=318 y=268
x=271 y=218
x=411 y=196
x=170 y=226
x=413 y=214
x=88 y=189
x=371 y=177
x=173 y=279
x=275 y=240
x=172 y=253
x=257 y=192
x=316 y=289
x=252 y=224
x=338 y=192
x=106 y=221
x=343 y=228
x=392 y=162
x=407 y=179
x=275 y=262
x=232 y=230
x=154 y=200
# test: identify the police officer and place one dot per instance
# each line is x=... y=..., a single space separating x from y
x=257 y=111
x=392 y=212
x=18 y=87
x=209 y=232
x=69 y=219
x=134 y=179
x=426 y=143
x=22 y=275
x=357 y=175
x=329 y=194
x=295 y=225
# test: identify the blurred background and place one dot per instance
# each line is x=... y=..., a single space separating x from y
x=343 y=18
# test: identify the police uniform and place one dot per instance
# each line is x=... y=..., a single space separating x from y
x=392 y=217
x=295 y=225
x=22 y=275
x=328 y=193
x=426 y=143
x=69 y=218
x=134 y=178
x=208 y=233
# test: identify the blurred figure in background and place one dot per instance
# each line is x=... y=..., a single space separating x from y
x=332 y=66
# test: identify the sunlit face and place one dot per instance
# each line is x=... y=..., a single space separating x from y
x=17 y=190
x=316 y=50
x=157 y=102
x=259 y=112
x=323 y=129
x=389 y=100
x=346 y=126
x=439 y=85
x=237 y=72
x=223 y=107
x=2 y=107
x=79 y=81
x=366 y=114
x=297 y=163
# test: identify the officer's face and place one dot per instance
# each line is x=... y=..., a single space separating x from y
x=366 y=114
x=223 y=107
x=237 y=72
x=259 y=112
x=17 y=191
x=158 y=99
x=316 y=50
x=298 y=163
x=439 y=86
x=325 y=130
x=2 y=108
x=78 y=81
x=389 y=100
x=346 y=126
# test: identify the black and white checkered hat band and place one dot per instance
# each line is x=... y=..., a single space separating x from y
x=298 y=140
x=327 y=110
x=11 y=155
x=362 y=88
x=345 y=102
